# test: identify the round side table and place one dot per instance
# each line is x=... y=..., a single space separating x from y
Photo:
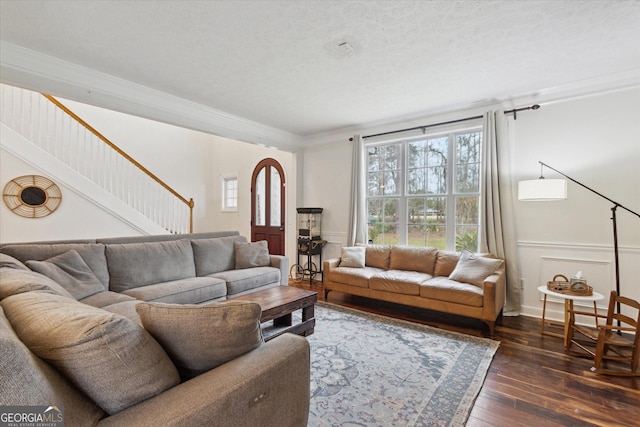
x=568 y=306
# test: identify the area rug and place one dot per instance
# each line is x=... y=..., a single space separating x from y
x=370 y=370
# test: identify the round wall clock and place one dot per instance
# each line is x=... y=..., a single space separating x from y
x=32 y=196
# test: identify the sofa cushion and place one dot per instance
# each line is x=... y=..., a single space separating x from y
x=71 y=272
x=398 y=281
x=378 y=256
x=184 y=291
x=102 y=299
x=91 y=253
x=249 y=278
x=111 y=359
x=200 y=337
x=126 y=309
x=214 y=255
x=352 y=276
x=352 y=256
x=443 y=289
x=11 y=262
x=446 y=263
x=27 y=380
x=251 y=254
x=474 y=269
x=16 y=281
x=139 y=264
x=413 y=258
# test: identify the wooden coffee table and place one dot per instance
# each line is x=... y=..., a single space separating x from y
x=278 y=304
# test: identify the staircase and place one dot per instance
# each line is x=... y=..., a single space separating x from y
x=41 y=131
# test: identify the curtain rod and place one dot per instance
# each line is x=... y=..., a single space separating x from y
x=514 y=112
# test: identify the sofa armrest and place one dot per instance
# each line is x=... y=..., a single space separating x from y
x=270 y=384
x=494 y=288
x=281 y=262
x=330 y=264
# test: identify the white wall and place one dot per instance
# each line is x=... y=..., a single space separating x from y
x=76 y=218
x=593 y=139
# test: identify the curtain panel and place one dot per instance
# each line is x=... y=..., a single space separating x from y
x=497 y=225
x=358 y=202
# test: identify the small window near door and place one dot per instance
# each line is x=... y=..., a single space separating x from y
x=229 y=194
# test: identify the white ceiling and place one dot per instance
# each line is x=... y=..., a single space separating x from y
x=279 y=63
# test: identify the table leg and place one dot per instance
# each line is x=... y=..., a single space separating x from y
x=568 y=306
x=308 y=312
x=544 y=310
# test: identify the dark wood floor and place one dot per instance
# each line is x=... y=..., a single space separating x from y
x=531 y=381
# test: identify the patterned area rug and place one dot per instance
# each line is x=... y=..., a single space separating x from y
x=369 y=370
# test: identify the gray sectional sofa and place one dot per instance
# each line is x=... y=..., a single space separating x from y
x=137 y=331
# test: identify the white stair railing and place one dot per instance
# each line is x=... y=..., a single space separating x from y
x=44 y=121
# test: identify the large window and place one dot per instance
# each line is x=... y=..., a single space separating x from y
x=425 y=191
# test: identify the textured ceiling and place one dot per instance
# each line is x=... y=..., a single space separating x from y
x=279 y=62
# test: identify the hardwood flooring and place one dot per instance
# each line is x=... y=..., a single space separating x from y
x=531 y=381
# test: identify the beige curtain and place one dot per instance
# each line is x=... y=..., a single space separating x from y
x=497 y=225
x=358 y=208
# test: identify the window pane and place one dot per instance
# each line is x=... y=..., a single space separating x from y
x=260 y=198
x=418 y=152
x=468 y=147
x=383 y=222
x=437 y=180
x=438 y=149
x=275 y=198
x=467 y=210
x=417 y=181
x=391 y=183
x=467 y=238
x=468 y=162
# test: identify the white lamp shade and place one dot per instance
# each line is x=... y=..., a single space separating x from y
x=542 y=189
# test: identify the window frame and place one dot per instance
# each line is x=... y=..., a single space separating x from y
x=452 y=194
x=225 y=206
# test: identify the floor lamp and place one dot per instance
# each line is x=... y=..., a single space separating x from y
x=542 y=189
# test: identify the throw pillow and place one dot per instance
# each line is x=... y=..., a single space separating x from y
x=353 y=256
x=15 y=281
x=474 y=269
x=11 y=262
x=112 y=360
x=71 y=272
x=200 y=337
x=251 y=254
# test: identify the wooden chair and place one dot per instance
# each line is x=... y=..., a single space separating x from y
x=604 y=342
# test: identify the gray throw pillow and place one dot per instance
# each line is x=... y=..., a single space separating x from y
x=71 y=272
x=251 y=254
x=353 y=256
x=114 y=361
x=11 y=262
x=17 y=281
x=474 y=269
x=200 y=337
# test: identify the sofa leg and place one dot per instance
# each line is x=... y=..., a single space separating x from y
x=326 y=293
x=492 y=328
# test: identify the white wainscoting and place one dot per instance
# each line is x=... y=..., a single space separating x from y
x=540 y=261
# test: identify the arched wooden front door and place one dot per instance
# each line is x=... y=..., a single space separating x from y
x=267 y=205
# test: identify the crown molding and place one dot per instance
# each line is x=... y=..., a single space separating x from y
x=46 y=74
x=580 y=89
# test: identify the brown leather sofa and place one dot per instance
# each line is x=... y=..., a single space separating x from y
x=423 y=277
